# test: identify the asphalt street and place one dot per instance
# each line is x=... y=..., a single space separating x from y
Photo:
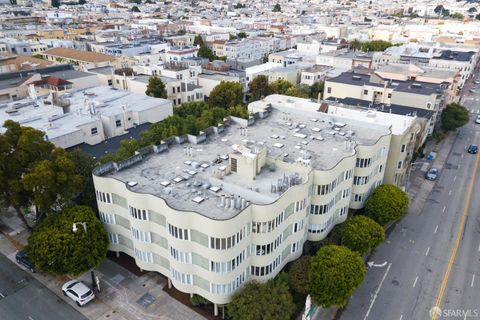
x=418 y=252
x=23 y=297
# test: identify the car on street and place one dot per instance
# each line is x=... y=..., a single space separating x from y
x=431 y=174
x=478 y=119
x=78 y=292
x=473 y=149
x=476 y=81
x=22 y=258
x=472 y=91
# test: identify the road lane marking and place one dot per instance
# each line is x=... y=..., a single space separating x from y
x=401 y=317
x=461 y=227
x=415 y=282
x=444 y=208
x=455 y=178
x=479 y=247
x=450 y=192
x=436 y=228
x=428 y=249
x=463 y=155
x=473 y=280
x=377 y=291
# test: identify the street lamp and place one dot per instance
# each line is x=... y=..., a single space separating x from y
x=75 y=229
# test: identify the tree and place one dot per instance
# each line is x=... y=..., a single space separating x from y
x=20 y=150
x=454 y=116
x=231 y=37
x=242 y=35
x=439 y=9
x=226 y=94
x=299 y=273
x=239 y=111
x=197 y=300
x=360 y=234
x=280 y=86
x=56 y=3
x=356 y=45
x=82 y=2
x=457 y=16
x=84 y=165
x=135 y=9
x=386 y=204
x=181 y=32
x=477 y=17
x=296 y=92
x=54 y=247
x=156 y=88
x=259 y=88
x=335 y=272
x=206 y=52
x=53 y=182
x=277 y=8
x=258 y=301
x=198 y=41
x=316 y=89
x=376 y=45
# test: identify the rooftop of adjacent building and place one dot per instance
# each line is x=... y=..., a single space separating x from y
x=85 y=106
x=191 y=177
x=74 y=54
x=411 y=86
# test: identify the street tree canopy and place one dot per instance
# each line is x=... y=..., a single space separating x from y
x=156 y=88
x=53 y=182
x=54 y=247
x=259 y=88
x=299 y=273
x=259 y=301
x=20 y=150
x=280 y=86
x=335 y=272
x=277 y=8
x=226 y=94
x=360 y=234
x=454 y=116
x=386 y=204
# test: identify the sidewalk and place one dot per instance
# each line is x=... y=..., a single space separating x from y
x=123 y=295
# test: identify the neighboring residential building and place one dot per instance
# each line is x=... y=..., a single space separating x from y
x=82 y=59
x=87 y=116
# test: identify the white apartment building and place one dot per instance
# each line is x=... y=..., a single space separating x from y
x=238 y=201
x=87 y=116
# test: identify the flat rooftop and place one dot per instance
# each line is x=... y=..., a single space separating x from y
x=41 y=114
x=195 y=181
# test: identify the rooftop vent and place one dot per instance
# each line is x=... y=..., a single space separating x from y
x=198 y=199
x=132 y=183
x=357 y=78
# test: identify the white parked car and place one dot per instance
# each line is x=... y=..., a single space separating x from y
x=478 y=119
x=78 y=292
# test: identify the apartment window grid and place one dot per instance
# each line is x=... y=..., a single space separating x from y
x=143 y=256
x=361 y=180
x=264 y=249
x=269 y=226
x=320 y=228
x=140 y=214
x=326 y=188
x=363 y=162
x=300 y=205
x=113 y=238
x=107 y=218
x=359 y=197
x=103 y=197
x=229 y=287
x=228 y=266
x=294 y=247
x=181 y=256
x=184 y=278
x=229 y=242
x=179 y=233
x=143 y=236
x=321 y=209
x=265 y=270
x=297 y=226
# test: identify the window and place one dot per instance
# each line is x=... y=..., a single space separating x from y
x=233 y=164
x=118 y=123
x=227 y=243
x=429 y=105
x=185 y=257
x=140 y=214
x=365 y=91
x=363 y=162
x=182 y=277
x=264 y=227
x=143 y=236
x=113 y=238
x=297 y=226
x=143 y=256
x=94 y=131
x=295 y=246
x=264 y=249
x=110 y=82
x=230 y=265
x=389 y=95
x=179 y=233
x=399 y=165
x=402 y=149
x=107 y=218
x=103 y=197
x=173 y=89
x=265 y=270
x=329 y=89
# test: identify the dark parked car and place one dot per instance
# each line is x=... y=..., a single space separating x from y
x=23 y=259
x=431 y=174
x=473 y=149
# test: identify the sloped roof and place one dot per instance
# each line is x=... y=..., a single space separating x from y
x=86 y=56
